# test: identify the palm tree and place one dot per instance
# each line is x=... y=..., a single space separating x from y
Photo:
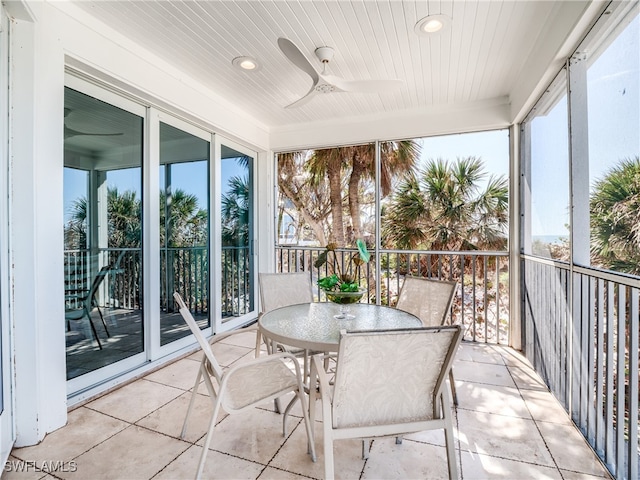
x=317 y=184
x=329 y=163
x=235 y=213
x=396 y=158
x=75 y=232
x=123 y=213
x=442 y=207
x=187 y=225
x=615 y=218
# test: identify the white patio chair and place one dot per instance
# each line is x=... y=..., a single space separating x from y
x=387 y=383
x=243 y=386
x=281 y=290
x=430 y=300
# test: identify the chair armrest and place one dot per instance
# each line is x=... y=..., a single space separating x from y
x=276 y=357
x=317 y=367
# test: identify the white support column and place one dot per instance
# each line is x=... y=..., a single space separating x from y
x=101 y=215
x=150 y=172
x=515 y=225
x=36 y=229
x=579 y=159
x=265 y=215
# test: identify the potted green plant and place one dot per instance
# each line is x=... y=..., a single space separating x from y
x=343 y=286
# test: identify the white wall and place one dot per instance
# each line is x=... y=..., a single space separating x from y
x=36 y=230
x=41 y=47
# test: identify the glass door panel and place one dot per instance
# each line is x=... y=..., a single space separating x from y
x=236 y=198
x=184 y=230
x=102 y=233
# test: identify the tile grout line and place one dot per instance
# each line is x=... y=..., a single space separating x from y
x=571 y=423
x=288 y=437
x=544 y=440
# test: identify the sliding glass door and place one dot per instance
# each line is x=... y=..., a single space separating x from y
x=184 y=229
x=139 y=189
x=103 y=200
x=237 y=276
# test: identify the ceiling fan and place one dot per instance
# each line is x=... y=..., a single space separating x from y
x=70 y=132
x=325 y=83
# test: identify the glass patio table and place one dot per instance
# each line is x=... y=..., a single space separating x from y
x=314 y=328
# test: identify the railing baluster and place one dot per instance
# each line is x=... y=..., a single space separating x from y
x=590 y=366
x=440 y=265
x=620 y=375
x=632 y=401
x=609 y=456
x=599 y=362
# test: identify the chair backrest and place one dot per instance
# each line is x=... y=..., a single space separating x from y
x=283 y=289
x=216 y=370
x=392 y=376
x=428 y=299
x=97 y=281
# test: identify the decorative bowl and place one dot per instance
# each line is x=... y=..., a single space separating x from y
x=345 y=298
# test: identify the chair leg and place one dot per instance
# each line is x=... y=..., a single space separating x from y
x=328 y=456
x=452 y=382
x=207 y=441
x=449 y=438
x=93 y=328
x=104 y=324
x=366 y=444
x=258 y=344
x=277 y=404
x=311 y=448
x=286 y=414
x=193 y=398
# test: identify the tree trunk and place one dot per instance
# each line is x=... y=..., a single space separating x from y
x=335 y=189
x=357 y=171
x=314 y=224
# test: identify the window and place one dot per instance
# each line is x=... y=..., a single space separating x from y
x=453 y=197
x=184 y=229
x=443 y=213
x=326 y=195
x=103 y=234
x=548 y=180
x=613 y=86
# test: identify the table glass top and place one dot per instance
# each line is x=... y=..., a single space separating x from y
x=313 y=325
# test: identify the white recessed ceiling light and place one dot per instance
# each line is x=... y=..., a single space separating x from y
x=432 y=24
x=246 y=63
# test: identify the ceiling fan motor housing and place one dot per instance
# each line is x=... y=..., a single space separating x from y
x=325 y=54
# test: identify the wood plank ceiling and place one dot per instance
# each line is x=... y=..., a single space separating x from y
x=478 y=58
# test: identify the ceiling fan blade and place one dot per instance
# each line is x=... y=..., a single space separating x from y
x=296 y=57
x=364 y=86
x=310 y=94
x=70 y=132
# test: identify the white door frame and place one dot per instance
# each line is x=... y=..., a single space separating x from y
x=7 y=420
x=216 y=240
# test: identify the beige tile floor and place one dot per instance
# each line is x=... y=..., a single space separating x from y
x=507 y=426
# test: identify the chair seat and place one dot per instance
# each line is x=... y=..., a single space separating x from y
x=266 y=380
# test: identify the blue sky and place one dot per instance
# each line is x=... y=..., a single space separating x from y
x=613 y=96
x=492 y=147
